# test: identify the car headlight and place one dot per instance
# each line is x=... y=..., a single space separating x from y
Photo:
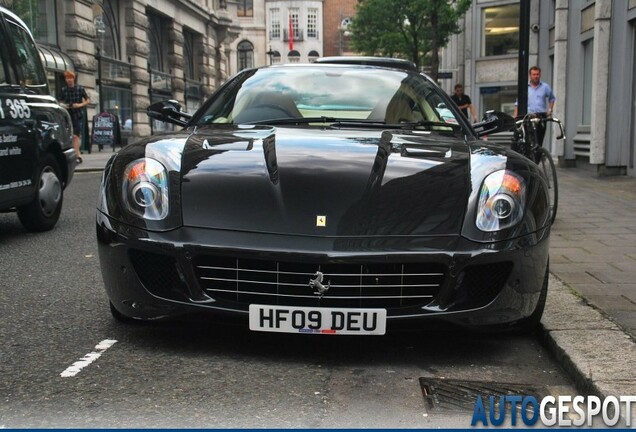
x=501 y=201
x=145 y=189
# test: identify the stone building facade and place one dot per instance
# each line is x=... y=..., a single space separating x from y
x=294 y=30
x=587 y=52
x=130 y=53
x=250 y=48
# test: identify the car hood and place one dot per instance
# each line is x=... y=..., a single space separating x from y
x=324 y=182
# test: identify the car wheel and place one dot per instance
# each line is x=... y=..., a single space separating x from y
x=546 y=165
x=42 y=213
x=532 y=323
x=120 y=316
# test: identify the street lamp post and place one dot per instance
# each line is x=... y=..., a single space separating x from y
x=270 y=54
x=524 y=46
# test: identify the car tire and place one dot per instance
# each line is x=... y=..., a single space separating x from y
x=120 y=316
x=546 y=165
x=42 y=213
x=532 y=323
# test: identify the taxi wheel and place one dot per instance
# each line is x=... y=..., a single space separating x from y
x=42 y=213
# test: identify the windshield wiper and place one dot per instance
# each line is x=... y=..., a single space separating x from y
x=331 y=121
x=335 y=122
x=430 y=125
x=294 y=120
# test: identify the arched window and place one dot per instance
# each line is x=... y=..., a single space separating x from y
x=157 y=41
x=275 y=57
x=245 y=55
x=313 y=55
x=293 y=56
x=107 y=28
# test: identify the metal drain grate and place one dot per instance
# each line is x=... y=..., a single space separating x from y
x=457 y=395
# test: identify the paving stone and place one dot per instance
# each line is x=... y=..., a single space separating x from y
x=608 y=277
x=627 y=320
x=571 y=267
x=611 y=303
x=627 y=266
x=627 y=290
x=565 y=311
x=572 y=278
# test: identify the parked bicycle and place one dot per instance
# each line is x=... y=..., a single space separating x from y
x=527 y=141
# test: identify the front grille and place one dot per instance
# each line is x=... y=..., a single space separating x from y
x=384 y=285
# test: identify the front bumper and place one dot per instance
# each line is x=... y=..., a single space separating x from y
x=149 y=275
x=71 y=163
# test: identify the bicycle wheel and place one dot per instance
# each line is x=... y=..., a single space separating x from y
x=546 y=165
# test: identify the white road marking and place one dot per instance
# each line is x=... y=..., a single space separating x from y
x=89 y=358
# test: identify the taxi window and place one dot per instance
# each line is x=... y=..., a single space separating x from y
x=3 y=76
x=28 y=57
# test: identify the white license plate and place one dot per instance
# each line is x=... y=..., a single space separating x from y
x=317 y=320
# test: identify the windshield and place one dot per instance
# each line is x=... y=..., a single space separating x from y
x=331 y=94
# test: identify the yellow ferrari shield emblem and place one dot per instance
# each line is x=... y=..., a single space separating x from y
x=321 y=221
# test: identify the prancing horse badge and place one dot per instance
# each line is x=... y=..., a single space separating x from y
x=321 y=221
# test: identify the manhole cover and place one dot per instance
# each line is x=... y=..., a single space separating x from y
x=457 y=395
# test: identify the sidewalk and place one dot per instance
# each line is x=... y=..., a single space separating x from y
x=593 y=242
x=94 y=161
x=590 y=317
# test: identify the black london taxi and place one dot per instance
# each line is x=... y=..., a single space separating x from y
x=37 y=160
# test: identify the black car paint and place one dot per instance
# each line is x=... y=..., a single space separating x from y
x=360 y=195
x=26 y=140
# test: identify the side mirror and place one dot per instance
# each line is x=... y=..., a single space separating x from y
x=168 y=111
x=494 y=122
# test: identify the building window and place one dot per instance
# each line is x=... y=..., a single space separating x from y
x=245 y=55
x=313 y=55
x=117 y=101
x=276 y=57
x=189 y=66
x=191 y=53
x=293 y=16
x=501 y=30
x=274 y=28
x=245 y=8
x=157 y=41
x=107 y=28
x=160 y=82
x=499 y=98
x=588 y=61
x=312 y=23
x=587 y=18
x=293 y=56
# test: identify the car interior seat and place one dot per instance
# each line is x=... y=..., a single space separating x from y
x=266 y=105
x=399 y=109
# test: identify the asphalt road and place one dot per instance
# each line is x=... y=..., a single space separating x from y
x=205 y=373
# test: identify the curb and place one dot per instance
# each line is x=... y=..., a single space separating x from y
x=598 y=355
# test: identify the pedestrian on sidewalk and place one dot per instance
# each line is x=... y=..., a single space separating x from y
x=540 y=99
x=74 y=98
x=463 y=102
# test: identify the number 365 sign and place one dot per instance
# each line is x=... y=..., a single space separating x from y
x=14 y=108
